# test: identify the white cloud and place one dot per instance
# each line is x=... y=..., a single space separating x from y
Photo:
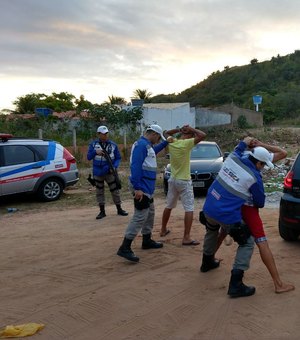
x=102 y=47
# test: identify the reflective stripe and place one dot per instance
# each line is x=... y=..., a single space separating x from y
x=148 y=168
x=236 y=177
x=232 y=190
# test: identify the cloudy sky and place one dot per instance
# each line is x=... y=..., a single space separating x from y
x=100 y=48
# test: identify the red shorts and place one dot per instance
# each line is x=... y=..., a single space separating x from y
x=251 y=217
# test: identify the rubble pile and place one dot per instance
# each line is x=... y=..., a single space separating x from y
x=273 y=178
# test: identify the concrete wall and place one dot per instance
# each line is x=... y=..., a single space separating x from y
x=226 y=115
x=207 y=117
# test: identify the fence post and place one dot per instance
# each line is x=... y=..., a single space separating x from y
x=74 y=140
x=125 y=144
x=40 y=133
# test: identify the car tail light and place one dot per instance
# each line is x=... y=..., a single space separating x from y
x=68 y=156
x=290 y=220
x=288 y=180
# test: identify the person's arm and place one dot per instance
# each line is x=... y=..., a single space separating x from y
x=117 y=158
x=91 y=152
x=242 y=146
x=198 y=134
x=157 y=148
x=172 y=132
x=258 y=193
x=138 y=156
x=278 y=153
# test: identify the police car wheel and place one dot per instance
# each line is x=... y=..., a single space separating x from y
x=50 y=190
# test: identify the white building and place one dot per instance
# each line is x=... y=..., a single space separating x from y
x=168 y=115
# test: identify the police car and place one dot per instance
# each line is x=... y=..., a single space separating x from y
x=42 y=167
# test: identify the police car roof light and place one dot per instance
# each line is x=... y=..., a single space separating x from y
x=4 y=137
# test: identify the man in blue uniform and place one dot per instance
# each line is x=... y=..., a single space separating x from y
x=102 y=171
x=143 y=168
x=238 y=181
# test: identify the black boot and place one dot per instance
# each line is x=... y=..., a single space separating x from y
x=101 y=213
x=121 y=211
x=236 y=286
x=148 y=243
x=209 y=262
x=126 y=252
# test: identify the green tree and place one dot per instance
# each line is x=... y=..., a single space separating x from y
x=142 y=94
x=116 y=100
x=27 y=103
x=83 y=104
x=59 y=102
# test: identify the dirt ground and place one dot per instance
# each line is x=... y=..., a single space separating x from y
x=60 y=268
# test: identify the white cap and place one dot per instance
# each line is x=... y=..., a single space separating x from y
x=157 y=129
x=263 y=155
x=102 y=129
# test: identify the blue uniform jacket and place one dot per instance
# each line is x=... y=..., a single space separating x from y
x=237 y=182
x=100 y=164
x=143 y=165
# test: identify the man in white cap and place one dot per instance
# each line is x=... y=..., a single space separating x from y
x=143 y=168
x=250 y=213
x=237 y=194
x=102 y=171
x=237 y=181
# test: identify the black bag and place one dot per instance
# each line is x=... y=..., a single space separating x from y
x=240 y=232
x=143 y=204
x=91 y=180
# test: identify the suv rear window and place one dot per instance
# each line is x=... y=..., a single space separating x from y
x=296 y=167
x=19 y=154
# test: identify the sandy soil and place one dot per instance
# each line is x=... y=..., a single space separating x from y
x=60 y=268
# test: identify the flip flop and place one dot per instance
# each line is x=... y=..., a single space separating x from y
x=192 y=243
x=166 y=233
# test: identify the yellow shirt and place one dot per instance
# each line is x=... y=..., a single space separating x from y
x=180 y=153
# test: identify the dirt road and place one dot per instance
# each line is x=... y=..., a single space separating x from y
x=60 y=268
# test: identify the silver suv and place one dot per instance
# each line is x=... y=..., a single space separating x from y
x=43 y=167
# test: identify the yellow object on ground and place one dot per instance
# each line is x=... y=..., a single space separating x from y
x=20 y=330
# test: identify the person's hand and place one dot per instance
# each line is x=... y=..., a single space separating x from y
x=248 y=140
x=185 y=129
x=138 y=195
x=255 y=142
x=99 y=152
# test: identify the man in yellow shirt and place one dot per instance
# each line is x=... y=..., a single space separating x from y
x=180 y=183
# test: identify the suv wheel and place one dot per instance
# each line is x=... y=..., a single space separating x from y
x=288 y=234
x=50 y=190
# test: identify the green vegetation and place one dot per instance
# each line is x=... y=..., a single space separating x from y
x=277 y=81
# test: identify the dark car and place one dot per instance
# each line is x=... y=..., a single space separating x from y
x=289 y=213
x=206 y=161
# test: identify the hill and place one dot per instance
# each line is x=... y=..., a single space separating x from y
x=276 y=80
